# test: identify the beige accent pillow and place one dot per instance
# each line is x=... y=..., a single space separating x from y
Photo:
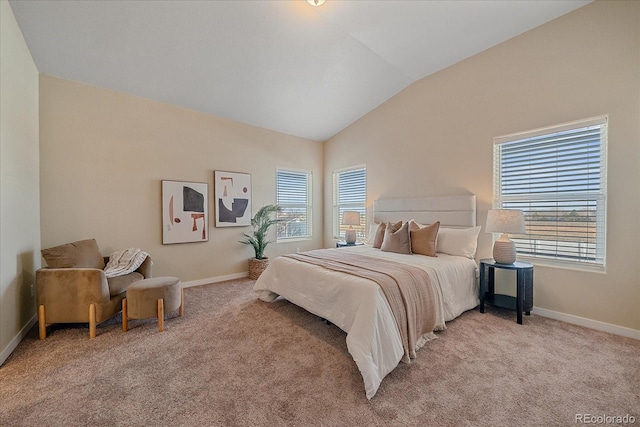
x=379 y=237
x=396 y=239
x=423 y=238
x=80 y=254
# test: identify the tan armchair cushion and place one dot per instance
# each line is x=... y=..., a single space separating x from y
x=80 y=254
x=119 y=284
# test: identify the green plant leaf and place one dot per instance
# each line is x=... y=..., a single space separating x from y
x=261 y=222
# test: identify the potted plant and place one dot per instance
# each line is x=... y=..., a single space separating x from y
x=261 y=222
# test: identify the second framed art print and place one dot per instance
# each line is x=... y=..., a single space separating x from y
x=232 y=198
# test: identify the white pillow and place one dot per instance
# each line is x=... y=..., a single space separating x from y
x=458 y=241
x=373 y=229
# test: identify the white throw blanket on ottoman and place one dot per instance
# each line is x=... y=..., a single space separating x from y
x=124 y=262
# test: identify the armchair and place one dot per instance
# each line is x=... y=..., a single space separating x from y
x=74 y=288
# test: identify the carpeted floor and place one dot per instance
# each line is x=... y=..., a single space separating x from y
x=235 y=361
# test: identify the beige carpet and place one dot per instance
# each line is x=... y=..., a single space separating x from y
x=235 y=361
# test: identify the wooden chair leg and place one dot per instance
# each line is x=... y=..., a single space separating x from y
x=92 y=321
x=42 y=322
x=181 y=312
x=125 y=320
x=160 y=315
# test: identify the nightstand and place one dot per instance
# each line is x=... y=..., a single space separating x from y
x=344 y=244
x=524 y=287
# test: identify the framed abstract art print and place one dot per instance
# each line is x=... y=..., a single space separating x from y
x=185 y=212
x=232 y=198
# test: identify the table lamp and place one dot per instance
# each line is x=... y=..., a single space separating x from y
x=505 y=221
x=350 y=218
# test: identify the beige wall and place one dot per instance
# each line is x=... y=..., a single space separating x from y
x=104 y=154
x=436 y=138
x=19 y=193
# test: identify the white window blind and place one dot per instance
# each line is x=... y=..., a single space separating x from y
x=293 y=191
x=349 y=194
x=557 y=176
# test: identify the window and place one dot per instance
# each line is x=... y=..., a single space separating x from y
x=293 y=192
x=349 y=194
x=557 y=176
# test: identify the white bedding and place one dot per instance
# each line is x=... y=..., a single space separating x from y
x=358 y=306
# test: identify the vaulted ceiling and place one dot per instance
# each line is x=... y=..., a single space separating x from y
x=281 y=65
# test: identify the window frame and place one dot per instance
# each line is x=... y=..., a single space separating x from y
x=594 y=200
x=338 y=229
x=307 y=206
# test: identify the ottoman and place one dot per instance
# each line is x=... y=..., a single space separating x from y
x=151 y=298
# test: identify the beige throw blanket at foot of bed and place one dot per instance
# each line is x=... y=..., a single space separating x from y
x=413 y=300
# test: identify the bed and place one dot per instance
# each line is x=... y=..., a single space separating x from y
x=358 y=305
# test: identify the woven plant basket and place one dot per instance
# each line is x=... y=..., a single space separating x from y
x=256 y=267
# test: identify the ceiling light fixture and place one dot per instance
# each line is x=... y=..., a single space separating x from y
x=316 y=2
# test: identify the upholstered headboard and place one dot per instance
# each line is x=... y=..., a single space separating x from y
x=451 y=211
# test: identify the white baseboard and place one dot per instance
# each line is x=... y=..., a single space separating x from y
x=201 y=282
x=588 y=323
x=6 y=352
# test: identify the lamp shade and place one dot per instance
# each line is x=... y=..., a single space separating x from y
x=505 y=221
x=350 y=218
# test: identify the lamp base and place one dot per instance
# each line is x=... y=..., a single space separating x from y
x=350 y=236
x=504 y=251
